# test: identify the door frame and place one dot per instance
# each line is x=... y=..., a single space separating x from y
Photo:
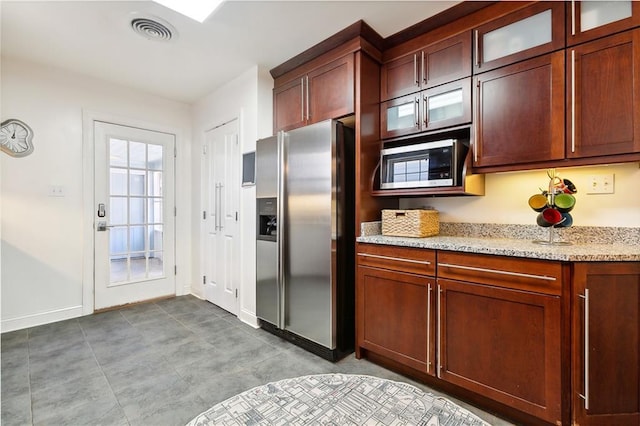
x=88 y=173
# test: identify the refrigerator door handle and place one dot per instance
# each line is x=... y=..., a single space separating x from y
x=280 y=233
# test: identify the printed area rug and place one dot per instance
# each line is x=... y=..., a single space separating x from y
x=336 y=399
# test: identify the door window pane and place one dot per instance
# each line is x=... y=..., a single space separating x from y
x=154 y=184
x=118 y=153
x=118 y=211
x=118 y=240
x=136 y=182
x=521 y=35
x=155 y=210
x=118 y=181
x=136 y=238
x=595 y=14
x=119 y=269
x=156 y=267
x=154 y=161
x=136 y=210
x=137 y=155
x=138 y=264
x=136 y=205
x=155 y=237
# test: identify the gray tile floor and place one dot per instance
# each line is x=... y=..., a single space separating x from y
x=151 y=364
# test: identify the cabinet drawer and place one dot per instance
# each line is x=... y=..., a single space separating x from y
x=402 y=259
x=540 y=276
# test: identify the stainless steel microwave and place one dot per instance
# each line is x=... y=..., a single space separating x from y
x=428 y=164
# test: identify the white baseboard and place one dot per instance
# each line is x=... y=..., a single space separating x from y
x=34 y=320
x=249 y=318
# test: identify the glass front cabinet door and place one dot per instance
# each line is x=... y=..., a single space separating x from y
x=588 y=20
x=400 y=116
x=523 y=34
x=442 y=106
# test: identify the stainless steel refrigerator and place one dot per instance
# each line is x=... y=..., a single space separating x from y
x=305 y=282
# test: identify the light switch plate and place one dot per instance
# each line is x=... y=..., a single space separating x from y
x=601 y=184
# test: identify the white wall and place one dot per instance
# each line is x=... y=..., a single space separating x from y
x=43 y=237
x=247 y=97
x=507 y=194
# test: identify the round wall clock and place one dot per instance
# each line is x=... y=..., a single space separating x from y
x=15 y=138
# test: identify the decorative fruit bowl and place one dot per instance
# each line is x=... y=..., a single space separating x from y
x=554 y=205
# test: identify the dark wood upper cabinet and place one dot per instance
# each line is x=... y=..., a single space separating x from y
x=322 y=93
x=519 y=113
x=331 y=90
x=432 y=65
x=606 y=344
x=594 y=19
x=528 y=32
x=603 y=96
x=289 y=105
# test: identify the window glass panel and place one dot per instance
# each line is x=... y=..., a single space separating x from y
x=137 y=155
x=118 y=211
x=155 y=184
x=156 y=267
x=136 y=210
x=136 y=182
x=154 y=161
x=136 y=238
x=521 y=35
x=595 y=14
x=118 y=181
x=117 y=152
x=118 y=240
x=413 y=166
x=155 y=237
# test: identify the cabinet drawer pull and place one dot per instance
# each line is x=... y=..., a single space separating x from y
x=377 y=256
x=439 y=333
x=573 y=100
x=302 y=98
x=497 y=271
x=429 y=327
x=586 y=348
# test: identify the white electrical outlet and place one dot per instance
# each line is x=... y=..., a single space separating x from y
x=601 y=184
x=56 y=191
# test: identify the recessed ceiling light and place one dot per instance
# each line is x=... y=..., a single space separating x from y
x=198 y=10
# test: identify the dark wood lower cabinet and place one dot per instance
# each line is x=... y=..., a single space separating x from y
x=394 y=316
x=606 y=344
x=503 y=344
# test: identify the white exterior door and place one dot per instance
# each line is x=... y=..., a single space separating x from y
x=134 y=255
x=222 y=236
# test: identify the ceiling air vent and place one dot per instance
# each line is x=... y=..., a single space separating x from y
x=153 y=28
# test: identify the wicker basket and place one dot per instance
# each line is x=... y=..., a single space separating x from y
x=410 y=223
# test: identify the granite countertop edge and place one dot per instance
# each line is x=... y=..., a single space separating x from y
x=515 y=248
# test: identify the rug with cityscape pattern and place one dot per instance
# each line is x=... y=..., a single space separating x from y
x=337 y=399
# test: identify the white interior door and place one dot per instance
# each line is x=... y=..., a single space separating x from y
x=222 y=236
x=134 y=218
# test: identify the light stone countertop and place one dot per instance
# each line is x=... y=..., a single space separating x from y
x=625 y=248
